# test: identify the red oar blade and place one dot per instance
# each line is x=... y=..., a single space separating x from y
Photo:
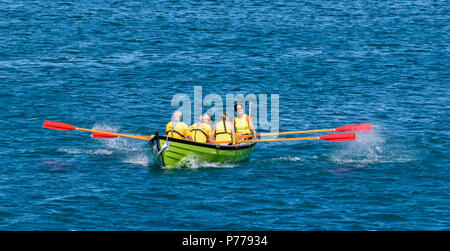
x=355 y=128
x=103 y=135
x=339 y=136
x=58 y=126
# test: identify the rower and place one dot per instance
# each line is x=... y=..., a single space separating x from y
x=176 y=128
x=242 y=122
x=223 y=130
x=201 y=131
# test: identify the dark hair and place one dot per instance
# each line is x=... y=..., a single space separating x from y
x=236 y=105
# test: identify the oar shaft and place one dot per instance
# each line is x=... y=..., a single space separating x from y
x=285 y=133
x=267 y=140
x=270 y=140
x=347 y=128
x=349 y=136
x=116 y=134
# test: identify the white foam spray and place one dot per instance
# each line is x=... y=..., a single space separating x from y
x=370 y=148
x=132 y=151
x=192 y=162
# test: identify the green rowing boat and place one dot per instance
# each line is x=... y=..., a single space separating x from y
x=171 y=151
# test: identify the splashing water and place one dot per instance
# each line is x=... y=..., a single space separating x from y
x=192 y=162
x=141 y=159
x=370 y=148
x=134 y=151
x=118 y=143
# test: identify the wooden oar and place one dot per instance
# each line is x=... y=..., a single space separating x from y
x=330 y=137
x=95 y=133
x=347 y=128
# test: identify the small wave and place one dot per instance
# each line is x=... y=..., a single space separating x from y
x=289 y=158
x=216 y=165
x=192 y=162
x=92 y=152
x=125 y=58
x=282 y=159
x=30 y=63
x=372 y=160
x=139 y=159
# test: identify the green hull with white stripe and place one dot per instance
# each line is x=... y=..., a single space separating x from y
x=181 y=150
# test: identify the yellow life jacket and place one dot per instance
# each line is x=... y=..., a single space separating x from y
x=200 y=132
x=179 y=131
x=223 y=131
x=241 y=125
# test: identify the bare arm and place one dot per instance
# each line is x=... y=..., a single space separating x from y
x=212 y=134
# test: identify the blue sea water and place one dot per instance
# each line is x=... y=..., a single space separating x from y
x=115 y=65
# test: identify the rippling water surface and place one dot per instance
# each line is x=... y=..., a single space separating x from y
x=115 y=65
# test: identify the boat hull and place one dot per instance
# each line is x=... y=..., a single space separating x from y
x=180 y=150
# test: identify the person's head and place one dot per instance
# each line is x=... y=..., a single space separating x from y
x=239 y=108
x=224 y=116
x=205 y=118
x=209 y=116
x=177 y=115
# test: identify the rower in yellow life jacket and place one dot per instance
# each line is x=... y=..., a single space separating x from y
x=178 y=129
x=242 y=122
x=201 y=131
x=223 y=130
